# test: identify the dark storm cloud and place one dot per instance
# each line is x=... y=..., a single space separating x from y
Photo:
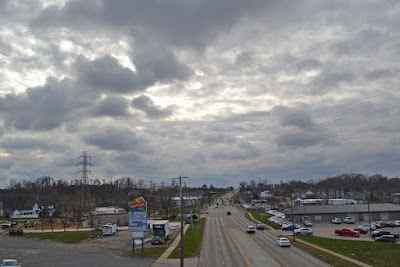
x=45 y=107
x=112 y=106
x=330 y=80
x=113 y=138
x=152 y=111
x=293 y=117
x=178 y=23
x=106 y=74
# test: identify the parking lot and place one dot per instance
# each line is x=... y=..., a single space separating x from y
x=328 y=230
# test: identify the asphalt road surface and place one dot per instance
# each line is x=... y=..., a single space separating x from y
x=32 y=252
x=225 y=243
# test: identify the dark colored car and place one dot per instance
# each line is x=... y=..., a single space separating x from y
x=361 y=230
x=228 y=213
x=386 y=238
x=390 y=224
x=381 y=233
x=15 y=231
x=260 y=226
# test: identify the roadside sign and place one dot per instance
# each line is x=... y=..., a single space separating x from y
x=137 y=215
x=137 y=234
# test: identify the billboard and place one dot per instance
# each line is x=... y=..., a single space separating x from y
x=137 y=215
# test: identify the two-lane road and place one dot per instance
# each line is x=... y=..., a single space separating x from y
x=225 y=243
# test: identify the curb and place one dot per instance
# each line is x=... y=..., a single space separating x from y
x=171 y=248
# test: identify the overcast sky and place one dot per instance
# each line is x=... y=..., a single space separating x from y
x=219 y=91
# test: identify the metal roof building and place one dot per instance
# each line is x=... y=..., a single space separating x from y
x=359 y=212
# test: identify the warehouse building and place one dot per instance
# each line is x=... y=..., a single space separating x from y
x=359 y=212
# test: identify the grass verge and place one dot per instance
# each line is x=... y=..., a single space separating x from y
x=153 y=252
x=192 y=242
x=63 y=237
x=265 y=219
x=373 y=253
x=324 y=256
x=249 y=218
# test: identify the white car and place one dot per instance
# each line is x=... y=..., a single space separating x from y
x=303 y=231
x=10 y=262
x=250 y=229
x=397 y=223
x=337 y=221
x=283 y=242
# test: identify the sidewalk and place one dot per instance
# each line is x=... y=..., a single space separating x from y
x=323 y=249
x=164 y=261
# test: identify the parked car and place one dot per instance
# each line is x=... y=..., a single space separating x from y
x=10 y=262
x=289 y=227
x=361 y=230
x=368 y=227
x=6 y=224
x=381 y=233
x=336 y=221
x=390 y=224
x=250 y=229
x=303 y=231
x=14 y=231
x=283 y=242
x=347 y=232
x=348 y=220
x=379 y=224
x=260 y=226
x=307 y=224
x=386 y=238
x=397 y=223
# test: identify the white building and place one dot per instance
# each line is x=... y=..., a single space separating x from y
x=109 y=210
x=27 y=214
x=189 y=201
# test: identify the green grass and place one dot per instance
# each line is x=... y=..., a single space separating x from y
x=324 y=256
x=64 y=237
x=192 y=242
x=266 y=216
x=153 y=252
x=249 y=218
x=373 y=253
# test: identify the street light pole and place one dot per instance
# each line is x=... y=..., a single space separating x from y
x=291 y=203
x=182 y=207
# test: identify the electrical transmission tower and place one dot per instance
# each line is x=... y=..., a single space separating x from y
x=85 y=163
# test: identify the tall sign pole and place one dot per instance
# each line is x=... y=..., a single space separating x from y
x=182 y=209
x=137 y=218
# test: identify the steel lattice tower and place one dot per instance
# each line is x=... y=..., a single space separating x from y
x=85 y=163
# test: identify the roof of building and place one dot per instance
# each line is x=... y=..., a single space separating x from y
x=323 y=209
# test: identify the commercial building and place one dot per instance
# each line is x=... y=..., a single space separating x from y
x=359 y=212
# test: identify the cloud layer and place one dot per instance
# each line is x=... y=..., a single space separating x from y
x=220 y=93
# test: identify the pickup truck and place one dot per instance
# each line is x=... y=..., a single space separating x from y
x=347 y=232
x=381 y=233
x=348 y=220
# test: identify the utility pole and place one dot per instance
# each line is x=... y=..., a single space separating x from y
x=291 y=203
x=180 y=178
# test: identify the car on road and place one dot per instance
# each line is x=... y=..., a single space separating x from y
x=336 y=221
x=228 y=213
x=347 y=232
x=289 y=227
x=303 y=231
x=260 y=226
x=307 y=224
x=250 y=229
x=283 y=242
x=386 y=238
x=361 y=230
x=10 y=262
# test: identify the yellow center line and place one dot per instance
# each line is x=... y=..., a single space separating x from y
x=264 y=250
x=227 y=228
